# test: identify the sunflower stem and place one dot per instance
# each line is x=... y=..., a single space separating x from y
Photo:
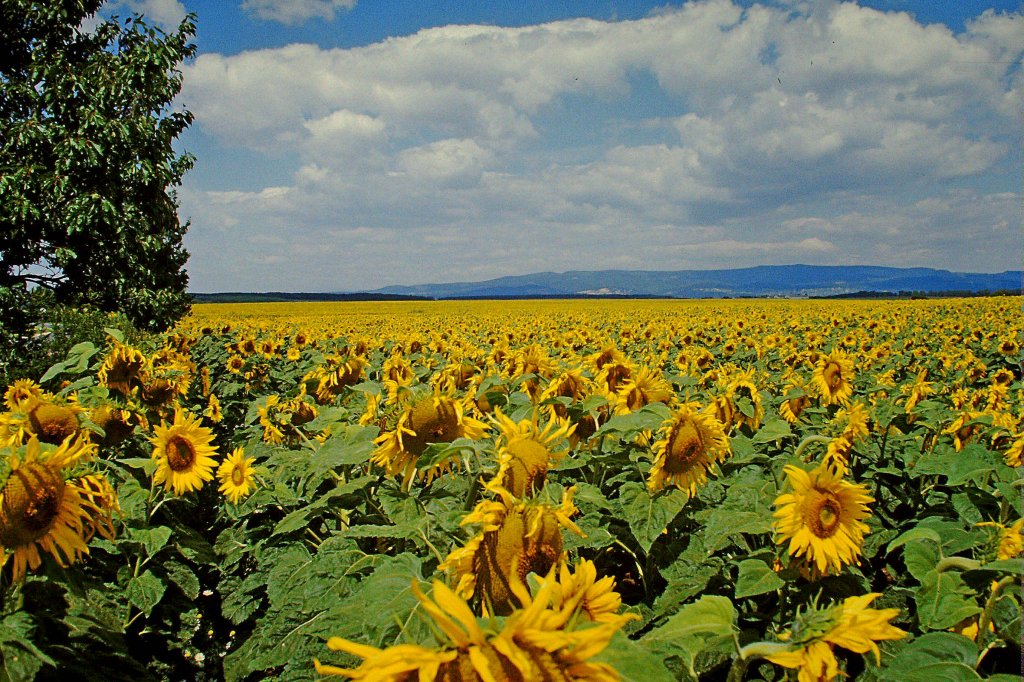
x=986 y=614
x=956 y=563
x=799 y=454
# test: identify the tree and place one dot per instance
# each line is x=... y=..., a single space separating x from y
x=88 y=208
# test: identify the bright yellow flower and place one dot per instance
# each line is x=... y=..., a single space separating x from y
x=183 y=453
x=833 y=377
x=689 y=443
x=236 y=475
x=822 y=518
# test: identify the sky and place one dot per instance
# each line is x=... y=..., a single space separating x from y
x=347 y=145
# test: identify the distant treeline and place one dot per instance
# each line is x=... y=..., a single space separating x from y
x=957 y=293
x=284 y=297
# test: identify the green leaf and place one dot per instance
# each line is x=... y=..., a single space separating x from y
x=647 y=418
x=152 y=539
x=773 y=431
x=918 y=533
x=692 y=630
x=756 y=577
x=934 y=656
x=182 y=576
x=20 y=658
x=632 y=661
x=921 y=558
x=649 y=515
x=943 y=600
x=145 y=591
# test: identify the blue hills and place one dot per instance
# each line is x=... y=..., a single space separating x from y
x=764 y=280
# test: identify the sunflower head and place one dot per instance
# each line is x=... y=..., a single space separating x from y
x=184 y=454
x=526 y=453
x=41 y=508
x=21 y=394
x=117 y=423
x=433 y=418
x=689 y=443
x=822 y=518
x=52 y=423
x=123 y=369
x=236 y=475
x=517 y=538
x=833 y=377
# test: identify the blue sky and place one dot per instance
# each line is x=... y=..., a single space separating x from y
x=351 y=144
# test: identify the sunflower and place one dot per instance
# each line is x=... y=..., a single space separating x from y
x=235 y=474
x=123 y=369
x=918 y=390
x=1015 y=453
x=689 y=443
x=569 y=384
x=183 y=453
x=833 y=377
x=526 y=453
x=117 y=422
x=822 y=518
x=796 y=400
x=581 y=590
x=42 y=509
x=22 y=393
x=52 y=422
x=436 y=418
x=643 y=387
x=534 y=643
x=213 y=411
x=516 y=538
x=964 y=428
x=850 y=625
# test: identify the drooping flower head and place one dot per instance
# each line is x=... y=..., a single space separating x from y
x=516 y=538
x=44 y=510
x=689 y=443
x=436 y=418
x=822 y=518
x=817 y=631
x=526 y=451
x=537 y=642
x=183 y=453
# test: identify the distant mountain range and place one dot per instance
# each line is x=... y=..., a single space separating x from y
x=764 y=280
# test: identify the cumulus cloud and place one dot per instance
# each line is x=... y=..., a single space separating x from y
x=811 y=132
x=296 y=11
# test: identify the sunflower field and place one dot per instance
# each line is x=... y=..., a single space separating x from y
x=523 y=490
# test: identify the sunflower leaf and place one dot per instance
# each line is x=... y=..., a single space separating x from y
x=756 y=577
x=649 y=515
x=145 y=591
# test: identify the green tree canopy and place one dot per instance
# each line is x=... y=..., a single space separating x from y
x=87 y=167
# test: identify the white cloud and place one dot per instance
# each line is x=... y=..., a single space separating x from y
x=296 y=11
x=167 y=13
x=804 y=132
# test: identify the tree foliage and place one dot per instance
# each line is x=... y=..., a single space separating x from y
x=87 y=166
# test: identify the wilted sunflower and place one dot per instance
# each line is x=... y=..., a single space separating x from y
x=436 y=418
x=525 y=453
x=516 y=538
x=183 y=453
x=41 y=509
x=123 y=369
x=833 y=378
x=235 y=474
x=53 y=422
x=534 y=643
x=851 y=625
x=822 y=518
x=689 y=443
